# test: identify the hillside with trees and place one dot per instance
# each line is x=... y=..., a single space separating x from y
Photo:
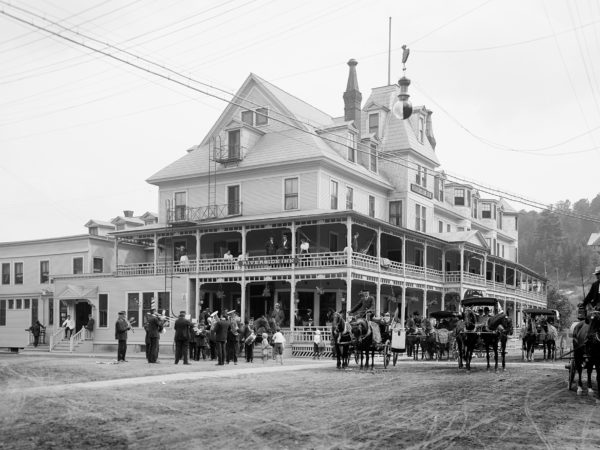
x=554 y=244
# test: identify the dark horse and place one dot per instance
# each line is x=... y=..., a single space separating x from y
x=586 y=348
x=262 y=325
x=550 y=334
x=495 y=332
x=529 y=337
x=341 y=338
x=466 y=338
x=363 y=341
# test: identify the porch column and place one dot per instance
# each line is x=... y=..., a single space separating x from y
x=243 y=298
x=378 y=252
x=244 y=232
x=494 y=273
x=349 y=241
x=462 y=268
x=155 y=256
x=198 y=251
x=425 y=259
x=378 y=297
x=403 y=309
x=348 y=290
x=505 y=271
x=444 y=265
x=116 y=255
x=404 y=258
x=292 y=297
x=293 y=252
x=424 y=315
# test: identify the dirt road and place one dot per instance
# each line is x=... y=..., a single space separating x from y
x=75 y=402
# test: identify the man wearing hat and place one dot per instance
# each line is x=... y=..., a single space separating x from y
x=182 y=337
x=121 y=327
x=153 y=327
x=366 y=302
x=277 y=315
x=593 y=296
x=221 y=330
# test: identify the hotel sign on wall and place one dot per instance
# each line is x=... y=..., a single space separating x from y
x=420 y=190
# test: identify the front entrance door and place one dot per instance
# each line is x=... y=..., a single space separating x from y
x=326 y=302
x=82 y=311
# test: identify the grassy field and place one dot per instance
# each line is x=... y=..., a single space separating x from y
x=74 y=402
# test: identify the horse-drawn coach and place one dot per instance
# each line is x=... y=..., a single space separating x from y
x=483 y=326
x=540 y=332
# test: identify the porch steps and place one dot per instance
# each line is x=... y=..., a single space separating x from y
x=79 y=347
x=41 y=348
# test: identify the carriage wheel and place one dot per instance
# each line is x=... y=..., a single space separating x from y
x=395 y=358
x=571 y=378
x=386 y=356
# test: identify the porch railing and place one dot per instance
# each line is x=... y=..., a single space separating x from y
x=76 y=339
x=180 y=214
x=55 y=338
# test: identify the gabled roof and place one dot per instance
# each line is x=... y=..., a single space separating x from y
x=271 y=149
x=76 y=292
x=99 y=224
x=506 y=208
x=129 y=220
x=472 y=237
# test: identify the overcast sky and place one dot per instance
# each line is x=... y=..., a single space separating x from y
x=514 y=87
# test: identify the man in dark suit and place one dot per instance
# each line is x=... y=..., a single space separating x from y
x=593 y=296
x=121 y=327
x=221 y=330
x=153 y=328
x=271 y=246
x=182 y=337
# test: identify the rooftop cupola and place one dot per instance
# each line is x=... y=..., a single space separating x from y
x=352 y=96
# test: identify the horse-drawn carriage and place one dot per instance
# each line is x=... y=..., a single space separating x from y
x=540 y=332
x=484 y=326
x=444 y=333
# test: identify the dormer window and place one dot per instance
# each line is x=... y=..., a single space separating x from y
x=459 y=197
x=262 y=117
x=421 y=131
x=374 y=123
x=256 y=118
x=486 y=211
x=351 y=147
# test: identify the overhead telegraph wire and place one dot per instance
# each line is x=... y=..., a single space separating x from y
x=517 y=199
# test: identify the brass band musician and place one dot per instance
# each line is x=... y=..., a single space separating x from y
x=153 y=326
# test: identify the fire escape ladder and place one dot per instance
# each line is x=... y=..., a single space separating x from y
x=213 y=150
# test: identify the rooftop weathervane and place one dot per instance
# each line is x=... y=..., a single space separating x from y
x=403 y=108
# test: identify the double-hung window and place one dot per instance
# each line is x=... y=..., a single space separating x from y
x=19 y=273
x=459 y=197
x=180 y=206
x=486 y=211
x=262 y=116
x=248 y=117
x=396 y=213
x=334 y=194
x=371 y=206
x=349 y=197
x=233 y=200
x=420 y=218
x=98 y=265
x=77 y=265
x=233 y=144
x=291 y=193
x=5 y=273
x=374 y=123
x=351 y=147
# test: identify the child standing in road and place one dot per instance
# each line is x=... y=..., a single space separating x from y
x=317 y=344
x=265 y=347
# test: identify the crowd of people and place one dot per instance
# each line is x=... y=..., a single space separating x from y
x=220 y=338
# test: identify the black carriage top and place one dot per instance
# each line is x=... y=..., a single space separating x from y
x=479 y=301
x=438 y=315
x=541 y=312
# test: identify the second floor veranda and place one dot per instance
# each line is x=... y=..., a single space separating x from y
x=375 y=249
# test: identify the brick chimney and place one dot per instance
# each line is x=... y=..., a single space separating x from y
x=128 y=213
x=352 y=96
